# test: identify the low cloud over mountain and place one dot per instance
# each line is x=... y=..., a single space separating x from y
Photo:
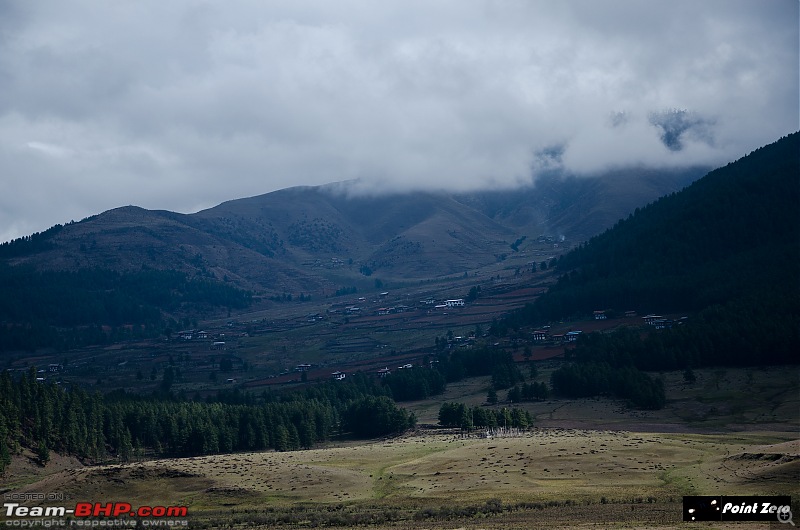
x=181 y=105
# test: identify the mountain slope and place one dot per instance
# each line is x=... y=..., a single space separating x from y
x=308 y=239
x=728 y=240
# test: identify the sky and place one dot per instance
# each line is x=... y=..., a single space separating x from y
x=182 y=105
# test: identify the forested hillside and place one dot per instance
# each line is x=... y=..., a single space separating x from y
x=64 y=309
x=725 y=251
x=730 y=236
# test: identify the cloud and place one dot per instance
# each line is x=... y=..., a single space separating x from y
x=679 y=125
x=181 y=105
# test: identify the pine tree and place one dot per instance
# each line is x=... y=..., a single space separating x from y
x=5 y=454
x=43 y=453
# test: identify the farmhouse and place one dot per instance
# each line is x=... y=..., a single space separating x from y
x=572 y=336
x=302 y=367
x=599 y=315
x=458 y=302
x=651 y=319
x=539 y=335
x=383 y=372
x=338 y=376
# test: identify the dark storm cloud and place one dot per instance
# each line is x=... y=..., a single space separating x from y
x=182 y=105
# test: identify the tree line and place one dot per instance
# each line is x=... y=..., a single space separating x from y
x=448 y=366
x=457 y=364
x=466 y=417
x=36 y=242
x=119 y=426
x=592 y=379
x=65 y=309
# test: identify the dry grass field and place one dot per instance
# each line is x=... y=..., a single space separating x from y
x=430 y=479
x=588 y=462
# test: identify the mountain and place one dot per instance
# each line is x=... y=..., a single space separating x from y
x=726 y=249
x=307 y=239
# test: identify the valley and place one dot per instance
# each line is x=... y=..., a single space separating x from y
x=265 y=344
x=585 y=462
x=354 y=373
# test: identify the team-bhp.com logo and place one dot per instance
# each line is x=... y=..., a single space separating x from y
x=93 y=510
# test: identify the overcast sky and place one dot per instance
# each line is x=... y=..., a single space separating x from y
x=181 y=105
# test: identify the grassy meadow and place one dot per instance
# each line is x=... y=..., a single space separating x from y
x=732 y=432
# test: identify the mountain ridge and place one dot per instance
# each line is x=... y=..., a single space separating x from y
x=314 y=238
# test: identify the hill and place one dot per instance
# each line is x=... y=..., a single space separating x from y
x=315 y=239
x=725 y=247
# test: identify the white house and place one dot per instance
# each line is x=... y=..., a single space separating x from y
x=651 y=319
x=458 y=302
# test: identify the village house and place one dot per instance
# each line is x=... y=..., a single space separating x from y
x=458 y=302
x=651 y=319
x=338 y=376
x=572 y=336
x=599 y=315
x=539 y=335
x=383 y=372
